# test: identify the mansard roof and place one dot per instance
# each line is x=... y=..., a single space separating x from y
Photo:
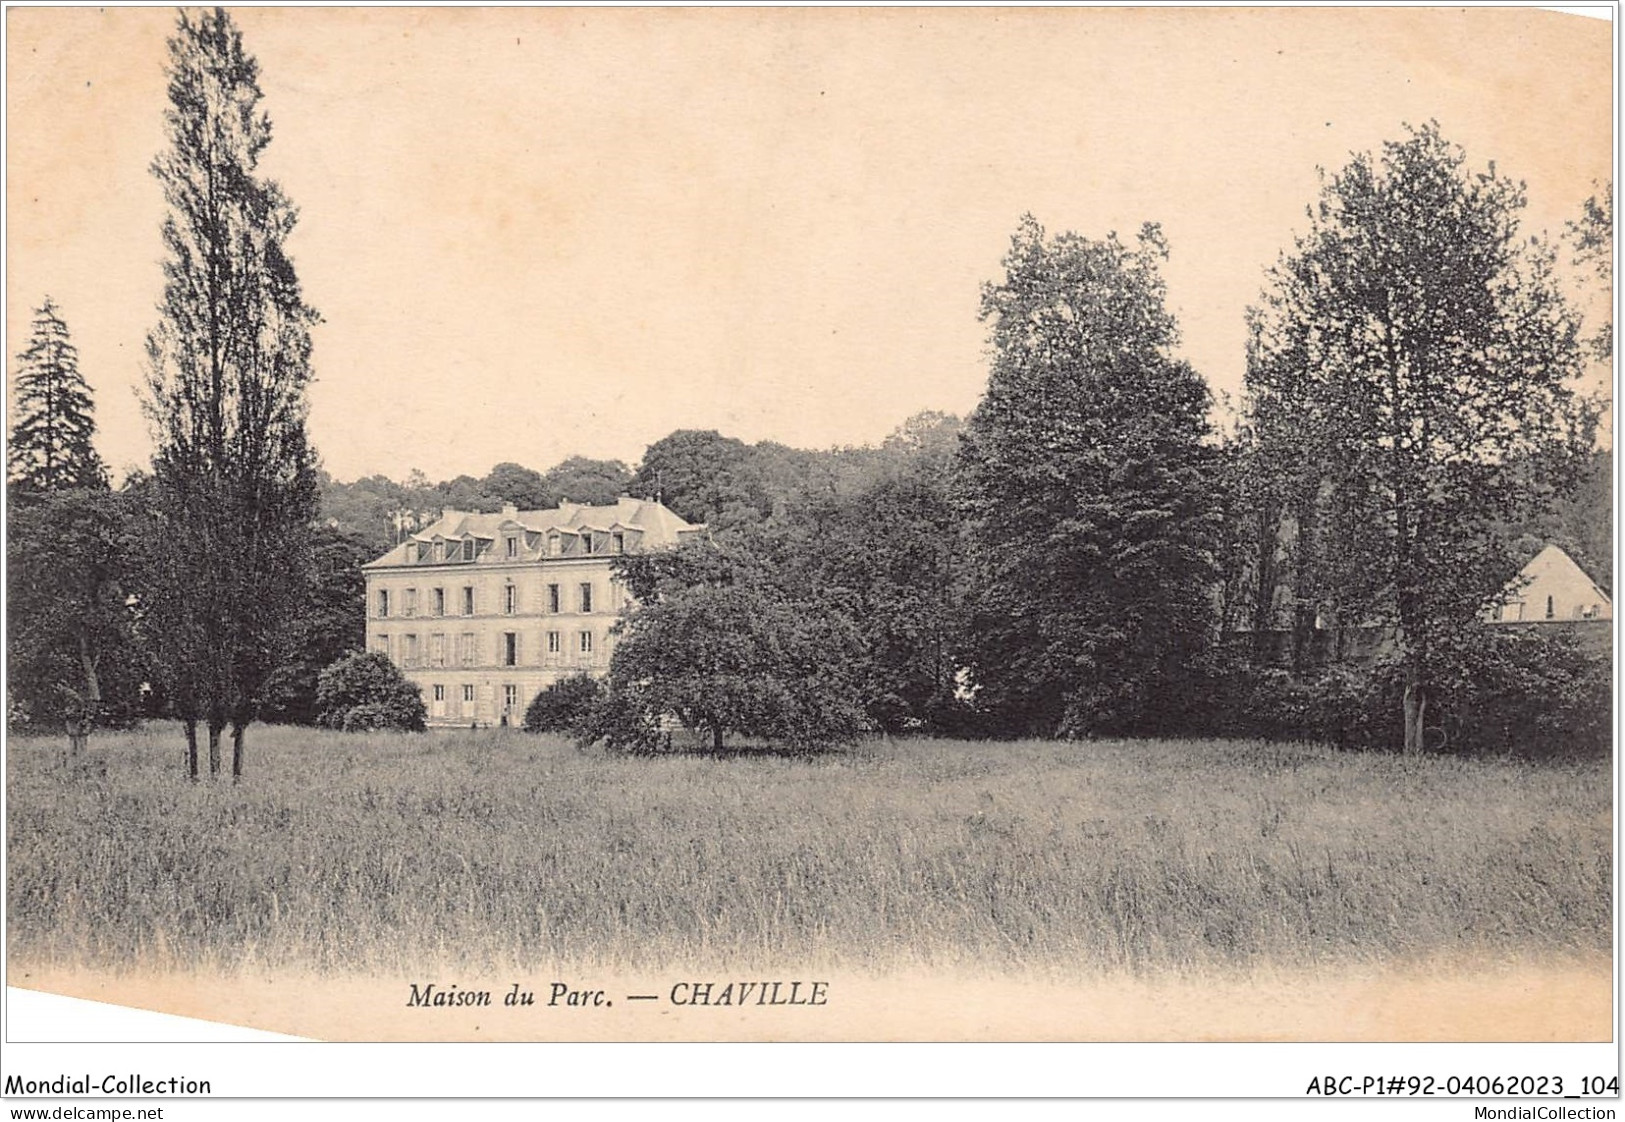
x=657 y=525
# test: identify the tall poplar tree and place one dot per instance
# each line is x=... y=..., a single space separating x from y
x=1421 y=345
x=229 y=363
x=50 y=447
x=1088 y=493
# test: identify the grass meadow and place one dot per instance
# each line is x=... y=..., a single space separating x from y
x=364 y=853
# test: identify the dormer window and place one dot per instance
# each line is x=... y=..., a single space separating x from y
x=439 y=551
x=617 y=542
x=513 y=546
x=554 y=545
x=586 y=541
x=468 y=549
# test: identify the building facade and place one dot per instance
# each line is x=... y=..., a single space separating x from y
x=483 y=611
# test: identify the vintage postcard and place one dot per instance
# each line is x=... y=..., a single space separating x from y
x=1070 y=525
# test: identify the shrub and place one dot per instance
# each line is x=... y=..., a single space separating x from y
x=1533 y=693
x=564 y=706
x=368 y=717
x=367 y=691
x=1508 y=690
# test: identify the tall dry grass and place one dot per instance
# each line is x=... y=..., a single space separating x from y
x=389 y=852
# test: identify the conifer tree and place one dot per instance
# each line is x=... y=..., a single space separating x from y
x=229 y=363
x=51 y=445
x=68 y=623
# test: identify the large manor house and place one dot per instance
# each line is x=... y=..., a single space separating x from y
x=483 y=611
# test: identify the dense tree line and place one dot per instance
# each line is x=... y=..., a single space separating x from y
x=1084 y=554
x=380 y=512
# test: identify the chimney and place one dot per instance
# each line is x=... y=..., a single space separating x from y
x=509 y=510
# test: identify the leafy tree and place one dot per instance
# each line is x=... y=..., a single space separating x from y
x=369 y=508
x=365 y=690
x=717 y=644
x=1249 y=545
x=1087 y=492
x=882 y=542
x=1592 y=237
x=582 y=480
x=51 y=445
x=564 y=706
x=699 y=475
x=235 y=485
x=463 y=493
x=1428 y=354
x=522 y=486
x=331 y=622
x=775 y=474
x=929 y=437
x=71 y=657
x=1582 y=520
x=1281 y=496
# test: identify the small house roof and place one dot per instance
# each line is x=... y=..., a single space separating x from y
x=1554 y=562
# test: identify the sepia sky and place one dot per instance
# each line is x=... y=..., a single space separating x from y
x=533 y=233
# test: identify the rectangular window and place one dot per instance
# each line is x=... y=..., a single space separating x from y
x=468 y=695
x=510 y=599
x=380 y=643
x=510 y=697
x=440 y=693
x=510 y=648
x=586 y=642
x=586 y=598
x=409 y=602
x=468 y=648
x=468 y=599
x=555 y=642
x=383 y=603
x=586 y=541
x=409 y=650
x=553 y=598
x=555 y=545
x=513 y=547
x=617 y=542
x=437 y=649
x=468 y=550
x=440 y=601
x=439 y=551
